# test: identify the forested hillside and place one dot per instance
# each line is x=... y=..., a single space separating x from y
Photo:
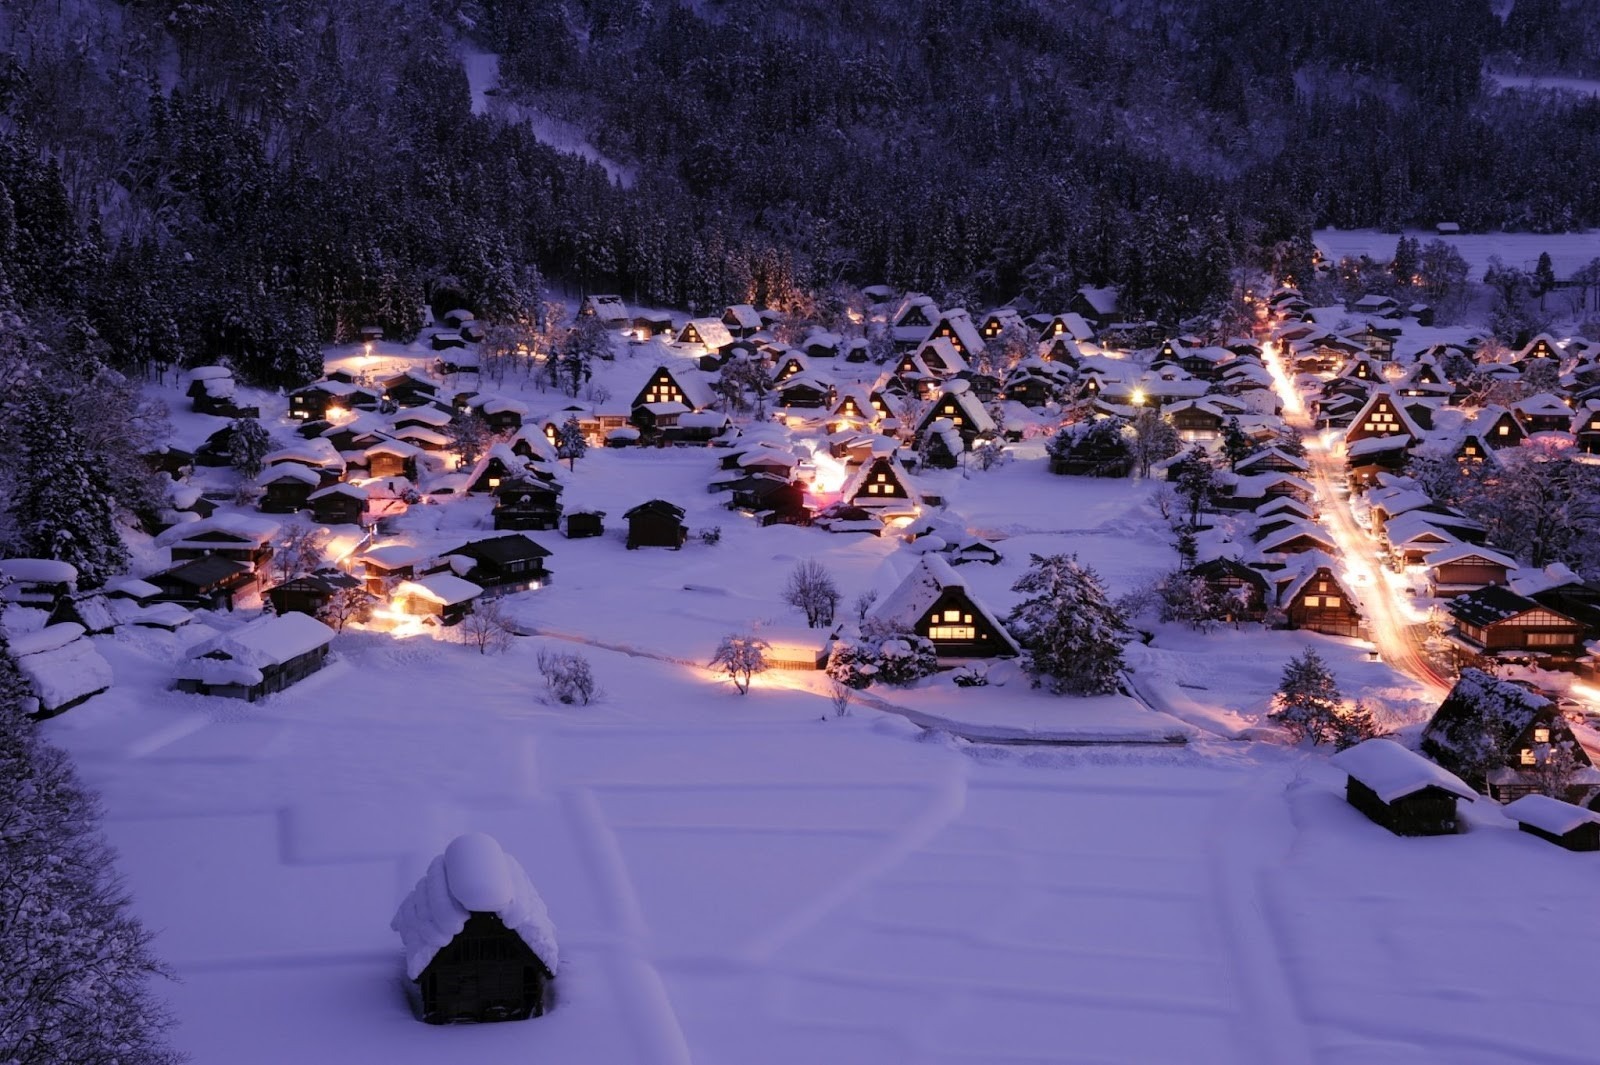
x=186 y=179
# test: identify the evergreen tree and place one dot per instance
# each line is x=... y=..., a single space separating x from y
x=1197 y=481
x=75 y=964
x=65 y=505
x=248 y=445
x=1236 y=446
x=1070 y=630
x=1307 y=700
x=570 y=441
x=1354 y=725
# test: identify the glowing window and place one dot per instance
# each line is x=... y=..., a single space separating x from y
x=1332 y=600
x=1526 y=757
x=952 y=632
x=1504 y=430
x=1313 y=600
x=1541 y=735
x=952 y=615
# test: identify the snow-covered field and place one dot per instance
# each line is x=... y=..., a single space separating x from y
x=750 y=879
x=1568 y=251
x=1583 y=86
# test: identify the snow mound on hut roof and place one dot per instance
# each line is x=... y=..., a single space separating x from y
x=474 y=875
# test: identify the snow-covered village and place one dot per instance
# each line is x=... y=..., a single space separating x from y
x=483 y=580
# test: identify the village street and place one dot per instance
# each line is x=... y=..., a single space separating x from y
x=1397 y=639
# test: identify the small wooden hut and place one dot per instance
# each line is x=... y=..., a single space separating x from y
x=478 y=940
x=1401 y=790
x=1562 y=823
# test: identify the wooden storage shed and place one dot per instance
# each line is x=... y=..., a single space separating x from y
x=1562 y=823
x=656 y=523
x=478 y=941
x=1401 y=790
x=257 y=659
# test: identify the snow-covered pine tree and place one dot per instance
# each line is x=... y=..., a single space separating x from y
x=65 y=507
x=570 y=442
x=76 y=963
x=1353 y=725
x=1307 y=700
x=248 y=444
x=1236 y=446
x=1070 y=630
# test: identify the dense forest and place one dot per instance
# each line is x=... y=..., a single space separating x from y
x=183 y=180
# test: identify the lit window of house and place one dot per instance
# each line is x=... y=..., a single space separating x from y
x=1332 y=601
x=1313 y=600
x=952 y=632
x=1541 y=735
x=1504 y=430
x=1526 y=757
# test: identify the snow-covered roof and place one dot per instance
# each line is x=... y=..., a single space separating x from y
x=61 y=666
x=443 y=588
x=711 y=331
x=291 y=471
x=317 y=451
x=473 y=875
x=243 y=526
x=39 y=570
x=341 y=489
x=1549 y=815
x=267 y=641
x=915 y=595
x=1457 y=552
x=1393 y=772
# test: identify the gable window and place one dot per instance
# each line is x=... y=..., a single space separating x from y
x=1541 y=735
x=1504 y=430
x=952 y=632
x=1525 y=757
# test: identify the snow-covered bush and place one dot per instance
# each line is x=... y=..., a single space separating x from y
x=853 y=664
x=567 y=676
x=906 y=658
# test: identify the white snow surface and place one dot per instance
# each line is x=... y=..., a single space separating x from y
x=1568 y=251
x=46 y=570
x=752 y=879
x=63 y=669
x=473 y=875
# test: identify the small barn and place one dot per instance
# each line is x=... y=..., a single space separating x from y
x=584 y=523
x=509 y=563
x=37 y=582
x=1562 y=823
x=608 y=308
x=478 y=941
x=286 y=487
x=527 y=503
x=257 y=659
x=1401 y=790
x=61 y=667
x=656 y=523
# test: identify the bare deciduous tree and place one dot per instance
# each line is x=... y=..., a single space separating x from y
x=812 y=591
x=487 y=628
x=741 y=657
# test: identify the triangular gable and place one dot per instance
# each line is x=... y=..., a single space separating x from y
x=1382 y=415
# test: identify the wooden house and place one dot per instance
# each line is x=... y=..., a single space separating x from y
x=236 y=537
x=501 y=564
x=1543 y=346
x=965 y=412
x=585 y=523
x=1401 y=790
x=1242 y=588
x=339 y=504
x=939 y=357
x=1382 y=416
x=956 y=327
x=478 y=941
x=386 y=565
x=883 y=482
x=1196 y=419
x=709 y=333
x=998 y=321
x=1563 y=823
x=1097 y=306
x=646 y=325
x=393 y=458
x=257 y=659
x=742 y=320
x=36 y=582
x=1495 y=621
x=498 y=466
x=608 y=308
x=62 y=669
x=443 y=596
x=1585 y=428
x=501 y=413
x=1498 y=735
x=1378 y=305
x=790 y=364
x=311 y=593
x=1544 y=412
x=804 y=392
x=316 y=401
x=286 y=487
x=1499 y=428
x=853 y=403
x=1313 y=598
x=527 y=503
x=411 y=389
x=820 y=344
x=911 y=321
x=1070 y=326
x=656 y=523
x=688 y=389
x=936 y=603
x=1457 y=568
x=207 y=582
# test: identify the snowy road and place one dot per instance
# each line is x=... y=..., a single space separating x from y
x=1383 y=611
